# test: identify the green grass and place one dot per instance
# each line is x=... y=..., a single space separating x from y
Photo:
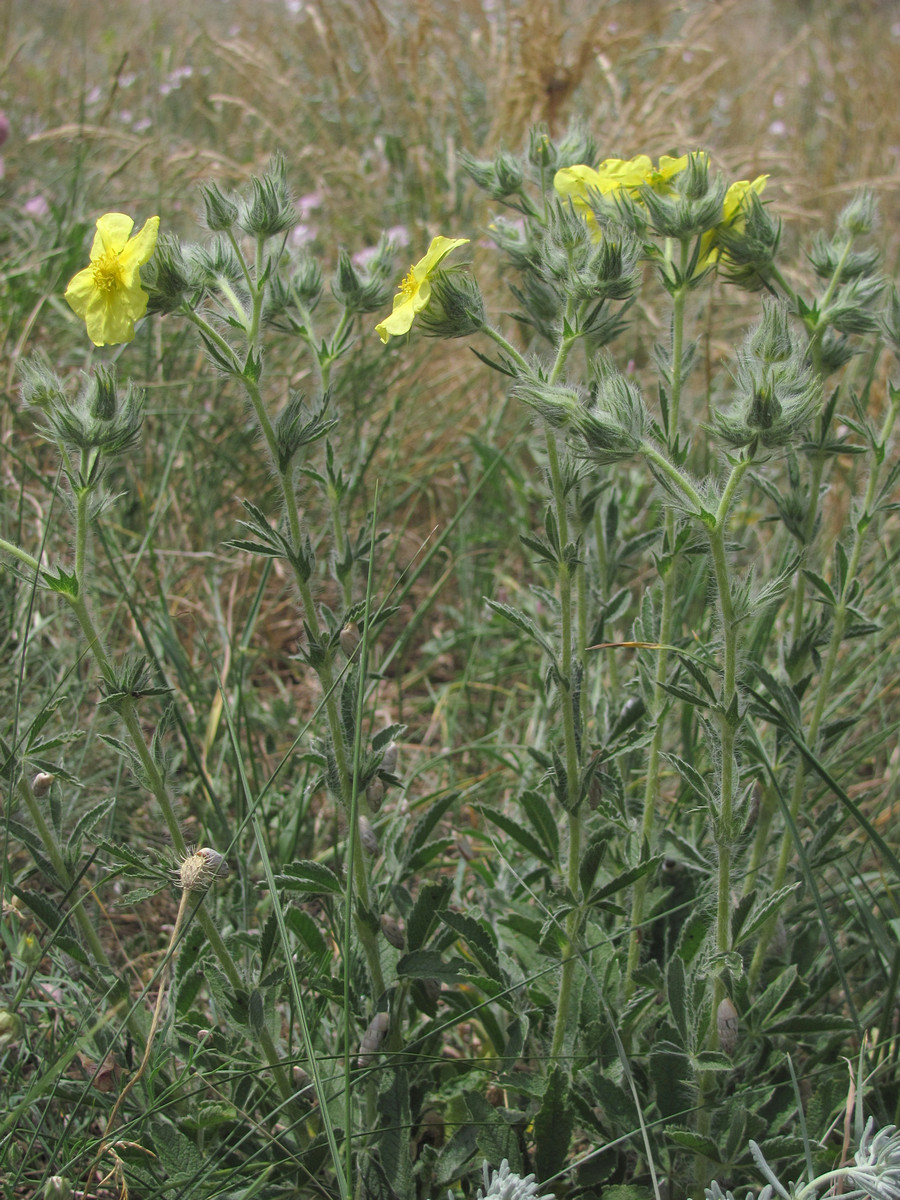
x=598 y=1073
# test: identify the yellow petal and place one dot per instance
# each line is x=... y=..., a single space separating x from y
x=80 y=290
x=113 y=231
x=110 y=318
x=139 y=249
x=438 y=250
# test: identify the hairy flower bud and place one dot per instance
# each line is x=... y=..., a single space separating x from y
x=28 y=950
x=10 y=1028
x=220 y=211
x=859 y=217
x=455 y=308
x=166 y=278
x=269 y=210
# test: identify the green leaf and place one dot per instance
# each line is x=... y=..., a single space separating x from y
x=697 y=1143
x=480 y=939
x=761 y=915
x=431 y=899
x=525 y=623
x=495 y=1136
x=516 y=831
x=676 y=989
x=312 y=877
x=553 y=1125
x=428 y=964
x=543 y=822
x=87 y=823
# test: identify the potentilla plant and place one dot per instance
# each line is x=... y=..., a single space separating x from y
x=733 y=648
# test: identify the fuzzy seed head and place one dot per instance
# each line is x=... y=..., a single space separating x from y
x=198 y=870
x=373 y=1037
x=367 y=836
x=393 y=931
x=349 y=638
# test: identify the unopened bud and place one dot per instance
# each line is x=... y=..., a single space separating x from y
x=727 y=1026
x=374 y=794
x=373 y=1037
x=10 y=1028
x=393 y=931
x=28 y=950
x=349 y=638
x=389 y=761
x=367 y=836
x=220 y=213
x=42 y=783
x=58 y=1187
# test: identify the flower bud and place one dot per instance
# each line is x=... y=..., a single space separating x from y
x=373 y=1037
x=220 y=212
x=10 y=1028
x=269 y=210
x=773 y=340
x=393 y=931
x=166 y=276
x=58 y=1187
x=541 y=151
x=508 y=175
x=727 y=1026
x=28 y=950
x=101 y=393
x=42 y=783
x=455 y=307
x=374 y=794
x=368 y=836
x=860 y=215
x=389 y=759
x=350 y=638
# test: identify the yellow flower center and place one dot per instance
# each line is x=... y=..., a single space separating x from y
x=409 y=285
x=107 y=272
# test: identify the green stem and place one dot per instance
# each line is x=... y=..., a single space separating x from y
x=839 y=624
x=573 y=773
x=667 y=616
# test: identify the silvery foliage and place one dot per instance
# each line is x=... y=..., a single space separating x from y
x=507 y=1185
x=874 y=1173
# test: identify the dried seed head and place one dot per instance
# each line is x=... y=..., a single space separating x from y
x=373 y=1037
x=349 y=638
x=367 y=836
x=393 y=931
x=42 y=783
x=727 y=1026
x=374 y=794
x=198 y=870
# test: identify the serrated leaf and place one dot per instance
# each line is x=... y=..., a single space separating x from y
x=308 y=876
x=87 y=823
x=543 y=822
x=764 y=913
x=480 y=939
x=428 y=964
x=516 y=831
x=697 y=1143
x=432 y=898
x=524 y=623
x=553 y=1125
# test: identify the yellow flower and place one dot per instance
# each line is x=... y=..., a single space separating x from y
x=734 y=209
x=108 y=293
x=613 y=175
x=415 y=288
